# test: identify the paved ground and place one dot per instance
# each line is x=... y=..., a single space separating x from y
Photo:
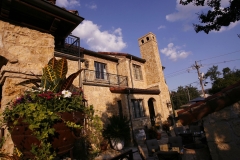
x=136 y=155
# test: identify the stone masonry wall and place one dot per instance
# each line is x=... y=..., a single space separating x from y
x=26 y=52
x=223 y=133
x=153 y=69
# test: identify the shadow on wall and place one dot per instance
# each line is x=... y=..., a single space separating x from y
x=3 y=61
x=223 y=133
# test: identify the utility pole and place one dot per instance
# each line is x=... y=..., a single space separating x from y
x=200 y=78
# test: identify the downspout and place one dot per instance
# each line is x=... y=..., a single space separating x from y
x=117 y=73
x=130 y=115
x=79 y=64
x=131 y=70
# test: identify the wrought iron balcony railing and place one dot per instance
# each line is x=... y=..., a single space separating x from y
x=71 y=46
x=96 y=77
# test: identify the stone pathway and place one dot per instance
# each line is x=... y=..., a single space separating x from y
x=136 y=156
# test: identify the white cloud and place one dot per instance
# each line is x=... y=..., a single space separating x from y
x=161 y=27
x=99 y=40
x=67 y=3
x=187 y=27
x=91 y=6
x=186 y=12
x=231 y=26
x=174 y=52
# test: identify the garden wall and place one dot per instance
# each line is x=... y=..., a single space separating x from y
x=223 y=133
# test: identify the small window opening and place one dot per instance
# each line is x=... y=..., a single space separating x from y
x=153 y=37
x=142 y=41
x=147 y=38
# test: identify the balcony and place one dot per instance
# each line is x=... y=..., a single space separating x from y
x=106 y=79
x=70 y=47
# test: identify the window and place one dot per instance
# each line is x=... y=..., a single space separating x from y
x=100 y=70
x=137 y=107
x=137 y=72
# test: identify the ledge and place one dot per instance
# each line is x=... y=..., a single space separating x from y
x=134 y=91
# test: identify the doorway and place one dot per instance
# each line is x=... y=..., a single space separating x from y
x=151 y=102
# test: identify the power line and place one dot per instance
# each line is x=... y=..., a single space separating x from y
x=202 y=65
x=169 y=76
x=219 y=56
x=186 y=85
x=222 y=62
x=177 y=71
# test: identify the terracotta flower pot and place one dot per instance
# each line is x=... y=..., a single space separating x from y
x=158 y=135
x=62 y=141
x=104 y=145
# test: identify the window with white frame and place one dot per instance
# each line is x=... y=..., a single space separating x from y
x=100 y=70
x=137 y=108
x=137 y=72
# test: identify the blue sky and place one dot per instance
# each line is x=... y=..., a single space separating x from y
x=114 y=25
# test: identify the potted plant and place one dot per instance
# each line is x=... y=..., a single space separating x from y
x=166 y=127
x=117 y=131
x=46 y=120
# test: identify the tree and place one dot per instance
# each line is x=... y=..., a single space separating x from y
x=183 y=94
x=216 y=17
x=218 y=83
x=213 y=73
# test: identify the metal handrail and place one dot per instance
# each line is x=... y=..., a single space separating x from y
x=97 y=77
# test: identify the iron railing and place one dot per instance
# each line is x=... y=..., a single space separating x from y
x=96 y=77
x=71 y=46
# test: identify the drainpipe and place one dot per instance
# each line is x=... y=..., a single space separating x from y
x=131 y=70
x=130 y=115
x=117 y=73
x=79 y=64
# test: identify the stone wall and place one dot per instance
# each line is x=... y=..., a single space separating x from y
x=223 y=133
x=25 y=53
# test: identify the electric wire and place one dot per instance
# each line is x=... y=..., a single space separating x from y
x=219 y=56
x=221 y=62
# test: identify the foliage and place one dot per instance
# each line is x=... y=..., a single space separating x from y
x=39 y=107
x=229 y=77
x=88 y=146
x=117 y=128
x=181 y=97
x=213 y=73
x=217 y=16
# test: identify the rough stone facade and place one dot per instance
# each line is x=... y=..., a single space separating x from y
x=223 y=133
x=23 y=54
x=154 y=69
x=106 y=103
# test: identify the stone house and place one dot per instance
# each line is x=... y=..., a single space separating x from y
x=120 y=83
x=32 y=32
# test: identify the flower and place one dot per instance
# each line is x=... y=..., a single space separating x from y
x=66 y=94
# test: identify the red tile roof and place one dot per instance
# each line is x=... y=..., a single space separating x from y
x=129 y=56
x=216 y=102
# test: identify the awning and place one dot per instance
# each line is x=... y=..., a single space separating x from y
x=134 y=90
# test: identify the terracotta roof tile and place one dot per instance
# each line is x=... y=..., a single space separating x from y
x=213 y=103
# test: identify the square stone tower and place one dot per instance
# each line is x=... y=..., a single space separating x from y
x=153 y=67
